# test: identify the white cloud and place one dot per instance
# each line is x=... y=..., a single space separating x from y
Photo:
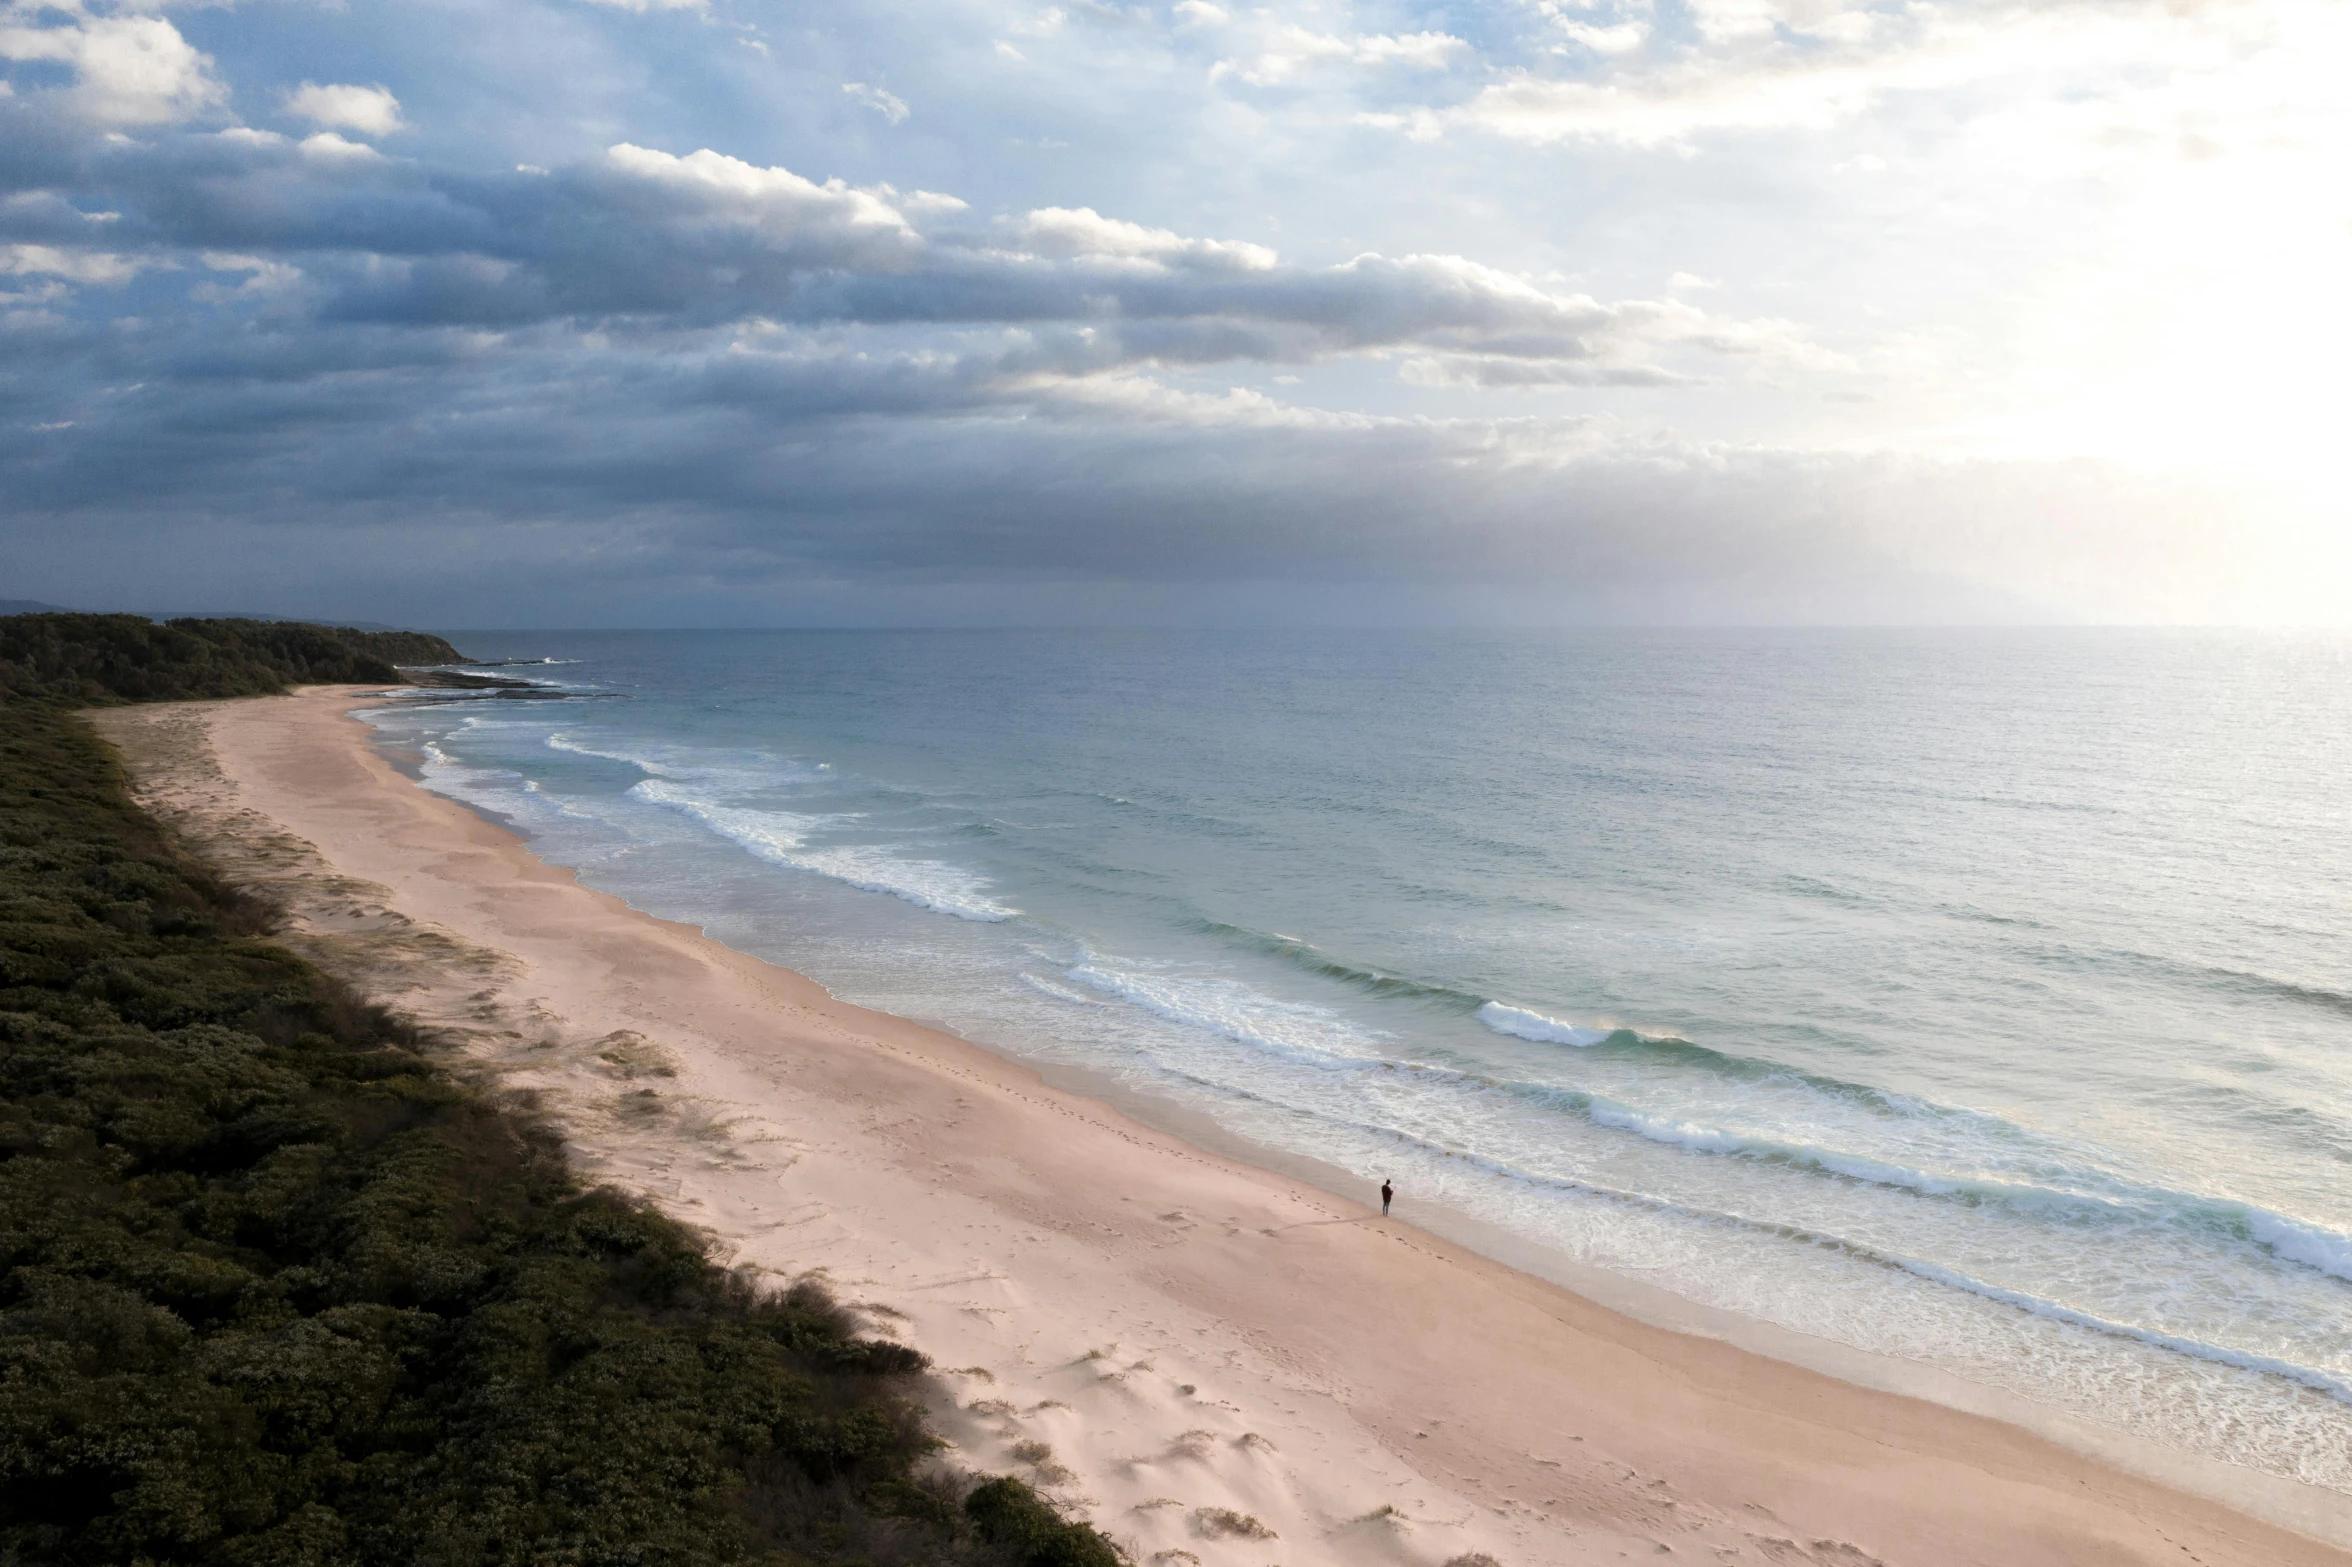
x=371 y=111
x=1082 y=231
x=776 y=206
x=128 y=70
x=1285 y=50
x=1662 y=108
x=1420 y=51
x=887 y=104
x=642 y=6
x=1767 y=65
x=1623 y=38
x=1494 y=371
x=930 y=201
x=326 y=144
x=1007 y=51
x=266 y=277
x=1200 y=13
x=76 y=266
x=1144 y=399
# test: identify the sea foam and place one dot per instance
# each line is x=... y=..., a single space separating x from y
x=1297 y=1030
x=781 y=838
x=2076 y=1196
x=2315 y=1378
x=644 y=764
x=1320 y=1038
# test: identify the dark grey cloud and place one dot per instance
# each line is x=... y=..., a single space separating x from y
x=745 y=484
x=270 y=328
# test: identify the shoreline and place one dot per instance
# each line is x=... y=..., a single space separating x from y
x=1262 y=1348
x=2323 y=1514
x=2309 y=1509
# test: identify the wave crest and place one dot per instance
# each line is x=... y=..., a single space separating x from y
x=1228 y=1008
x=781 y=838
x=1524 y=1024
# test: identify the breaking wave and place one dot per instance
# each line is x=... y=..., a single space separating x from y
x=781 y=838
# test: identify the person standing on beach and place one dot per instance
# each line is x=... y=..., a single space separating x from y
x=1387 y=1192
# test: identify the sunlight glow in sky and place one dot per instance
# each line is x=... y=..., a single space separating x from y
x=743 y=311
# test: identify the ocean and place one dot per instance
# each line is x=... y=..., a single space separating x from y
x=1981 y=999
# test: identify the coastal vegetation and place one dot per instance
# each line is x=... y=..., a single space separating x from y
x=276 y=1290
x=97 y=660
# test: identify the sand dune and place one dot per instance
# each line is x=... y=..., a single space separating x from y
x=1214 y=1363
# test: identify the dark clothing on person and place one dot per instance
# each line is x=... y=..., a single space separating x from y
x=1386 y=1192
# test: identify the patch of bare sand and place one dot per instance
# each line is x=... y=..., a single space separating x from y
x=1215 y=1364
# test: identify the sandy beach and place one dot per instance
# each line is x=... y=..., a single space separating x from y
x=1212 y=1362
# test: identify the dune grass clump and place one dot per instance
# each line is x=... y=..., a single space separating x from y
x=275 y=1291
x=1218 y=1523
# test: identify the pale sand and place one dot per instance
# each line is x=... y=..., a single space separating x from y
x=1150 y=1331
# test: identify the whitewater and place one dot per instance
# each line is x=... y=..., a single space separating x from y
x=1975 y=999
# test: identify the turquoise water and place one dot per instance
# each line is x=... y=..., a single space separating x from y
x=1983 y=999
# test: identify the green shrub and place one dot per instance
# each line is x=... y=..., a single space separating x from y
x=1008 y=1513
x=102 y=659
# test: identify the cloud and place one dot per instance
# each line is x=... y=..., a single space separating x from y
x=764 y=213
x=643 y=486
x=78 y=266
x=128 y=70
x=1521 y=374
x=694 y=242
x=265 y=275
x=1773 y=65
x=920 y=202
x=888 y=105
x=1212 y=344
x=1658 y=109
x=326 y=144
x=1081 y=231
x=1287 y=49
x=1623 y=38
x=760 y=356
x=371 y=111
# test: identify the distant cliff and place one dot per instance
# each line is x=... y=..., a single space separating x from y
x=105 y=659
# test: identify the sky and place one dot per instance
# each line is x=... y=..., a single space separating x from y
x=965 y=312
